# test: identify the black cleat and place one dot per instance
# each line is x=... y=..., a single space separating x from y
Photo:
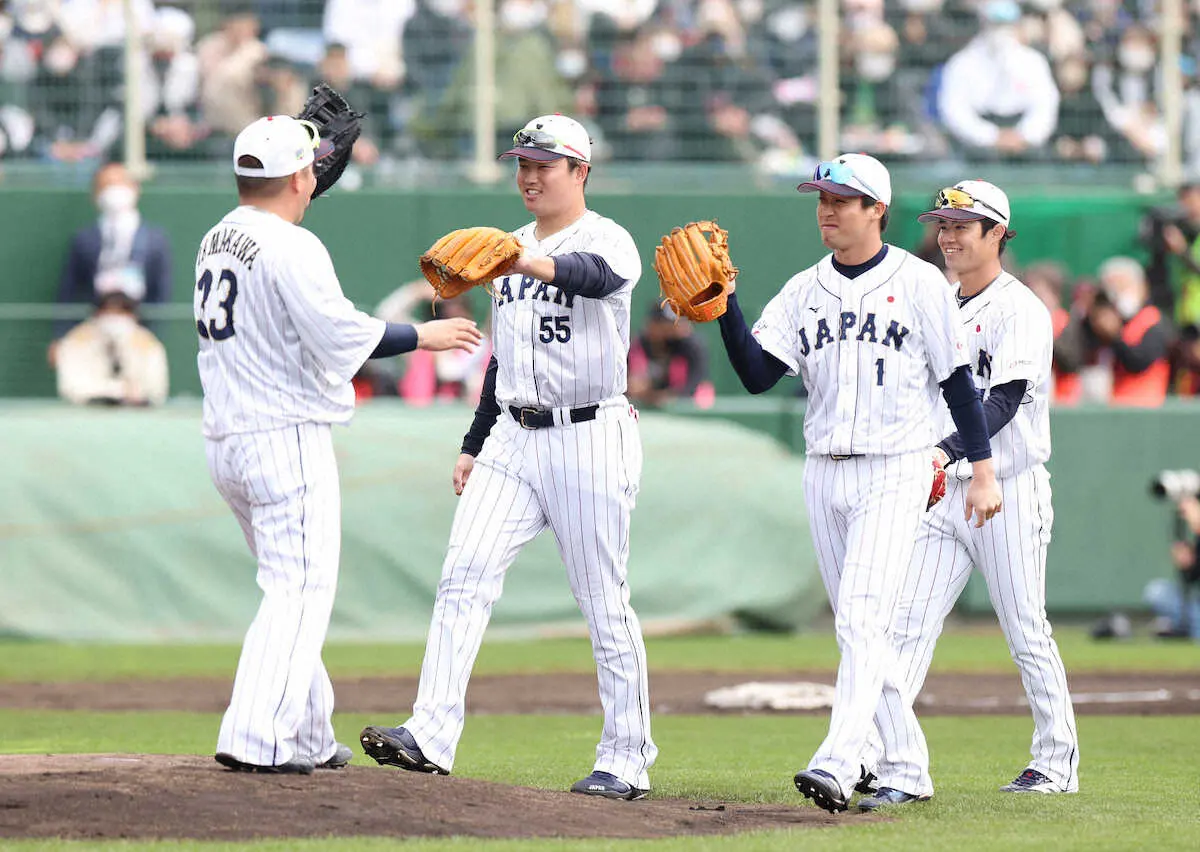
x=822 y=788
x=396 y=747
x=866 y=783
x=888 y=797
x=342 y=756
x=295 y=766
x=608 y=786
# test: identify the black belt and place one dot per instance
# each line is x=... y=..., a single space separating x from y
x=540 y=418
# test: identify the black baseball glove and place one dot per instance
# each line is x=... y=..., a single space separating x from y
x=338 y=124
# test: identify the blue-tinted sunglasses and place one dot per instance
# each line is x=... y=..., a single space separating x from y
x=842 y=172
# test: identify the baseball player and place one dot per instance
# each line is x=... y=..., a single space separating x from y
x=554 y=444
x=874 y=332
x=279 y=343
x=1010 y=340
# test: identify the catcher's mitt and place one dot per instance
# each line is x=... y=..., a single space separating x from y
x=938 y=491
x=467 y=257
x=695 y=273
x=338 y=124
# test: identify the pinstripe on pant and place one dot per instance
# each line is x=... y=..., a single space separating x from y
x=581 y=481
x=1010 y=552
x=282 y=486
x=864 y=513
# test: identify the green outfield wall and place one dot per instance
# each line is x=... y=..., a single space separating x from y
x=375 y=237
x=111 y=529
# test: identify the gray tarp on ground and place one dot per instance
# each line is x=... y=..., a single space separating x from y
x=110 y=529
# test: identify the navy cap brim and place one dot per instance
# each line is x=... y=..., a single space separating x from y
x=324 y=149
x=541 y=155
x=951 y=214
x=831 y=187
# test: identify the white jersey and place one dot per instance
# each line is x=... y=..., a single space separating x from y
x=555 y=349
x=1010 y=338
x=279 y=341
x=871 y=350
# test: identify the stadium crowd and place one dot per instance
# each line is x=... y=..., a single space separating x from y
x=709 y=80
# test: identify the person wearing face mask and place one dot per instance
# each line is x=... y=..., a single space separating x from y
x=1131 y=333
x=998 y=97
x=1126 y=93
x=109 y=359
x=120 y=243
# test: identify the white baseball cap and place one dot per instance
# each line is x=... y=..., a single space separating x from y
x=970 y=200
x=852 y=174
x=284 y=145
x=549 y=137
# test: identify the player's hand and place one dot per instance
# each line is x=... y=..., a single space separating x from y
x=455 y=333
x=462 y=472
x=983 y=494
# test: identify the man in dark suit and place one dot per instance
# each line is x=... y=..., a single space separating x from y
x=119 y=245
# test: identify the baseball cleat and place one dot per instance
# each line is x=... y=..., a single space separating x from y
x=295 y=766
x=822 y=788
x=341 y=756
x=887 y=797
x=608 y=786
x=1032 y=781
x=866 y=782
x=396 y=747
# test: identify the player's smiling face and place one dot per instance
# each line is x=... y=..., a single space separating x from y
x=966 y=246
x=550 y=188
x=845 y=223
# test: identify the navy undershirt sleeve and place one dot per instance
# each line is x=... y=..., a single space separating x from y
x=758 y=369
x=585 y=274
x=963 y=399
x=998 y=409
x=398 y=338
x=485 y=414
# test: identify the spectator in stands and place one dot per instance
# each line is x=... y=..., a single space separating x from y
x=633 y=101
x=118 y=247
x=527 y=82
x=1130 y=335
x=668 y=361
x=436 y=39
x=1125 y=89
x=335 y=70
x=109 y=358
x=171 y=90
x=93 y=24
x=998 y=97
x=229 y=61
x=785 y=43
x=879 y=110
x=1081 y=135
x=74 y=99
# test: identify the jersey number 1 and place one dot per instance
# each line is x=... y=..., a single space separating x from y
x=212 y=330
x=879 y=372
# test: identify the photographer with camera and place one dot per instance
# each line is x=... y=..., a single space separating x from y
x=1126 y=338
x=1176 y=602
x=1181 y=238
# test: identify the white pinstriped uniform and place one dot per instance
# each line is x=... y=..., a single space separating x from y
x=579 y=479
x=1009 y=338
x=279 y=343
x=872 y=351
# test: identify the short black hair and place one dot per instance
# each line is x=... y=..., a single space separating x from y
x=258 y=187
x=988 y=224
x=573 y=164
x=868 y=201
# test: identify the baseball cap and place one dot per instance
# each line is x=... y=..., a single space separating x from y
x=549 y=137
x=284 y=145
x=852 y=174
x=970 y=200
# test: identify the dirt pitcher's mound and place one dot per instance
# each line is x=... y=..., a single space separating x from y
x=186 y=796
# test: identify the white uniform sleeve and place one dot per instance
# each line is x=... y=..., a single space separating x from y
x=941 y=324
x=338 y=335
x=1022 y=347
x=777 y=330
x=619 y=251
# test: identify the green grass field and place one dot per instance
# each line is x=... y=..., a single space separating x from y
x=1140 y=787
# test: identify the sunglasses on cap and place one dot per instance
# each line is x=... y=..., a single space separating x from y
x=841 y=172
x=543 y=139
x=960 y=199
